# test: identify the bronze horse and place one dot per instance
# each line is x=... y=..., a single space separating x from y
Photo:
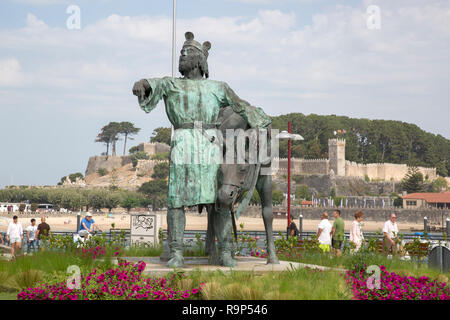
x=234 y=181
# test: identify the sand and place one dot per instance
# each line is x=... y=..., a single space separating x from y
x=193 y=222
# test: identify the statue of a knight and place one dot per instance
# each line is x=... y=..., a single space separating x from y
x=192 y=105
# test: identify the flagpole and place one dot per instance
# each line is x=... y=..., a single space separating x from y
x=174 y=47
x=174 y=36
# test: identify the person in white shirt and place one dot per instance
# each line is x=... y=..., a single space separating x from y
x=15 y=235
x=31 y=236
x=390 y=231
x=324 y=233
x=356 y=235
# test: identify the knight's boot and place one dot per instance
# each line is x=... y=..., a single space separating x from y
x=176 y=221
x=223 y=228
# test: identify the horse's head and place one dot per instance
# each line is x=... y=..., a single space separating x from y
x=232 y=182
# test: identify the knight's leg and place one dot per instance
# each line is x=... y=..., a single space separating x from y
x=223 y=228
x=264 y=188
x=176 y=222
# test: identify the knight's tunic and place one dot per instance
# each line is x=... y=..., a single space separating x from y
x=194 y=159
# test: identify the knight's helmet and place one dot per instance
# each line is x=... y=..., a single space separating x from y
x=203 y=48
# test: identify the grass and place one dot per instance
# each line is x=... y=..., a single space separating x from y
x=143 y=251
x=346 y=261
x=30 y=270
x=295 y=284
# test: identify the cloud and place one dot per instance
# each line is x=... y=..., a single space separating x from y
x=10 y=73
x=41 y=2
x=332 y=65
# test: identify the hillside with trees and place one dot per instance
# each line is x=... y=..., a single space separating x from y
x=367 y=141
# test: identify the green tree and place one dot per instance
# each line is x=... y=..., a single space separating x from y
x=439 y=185
x=367 y=141
x=277 y=197
x=127 y=129
x=109 y=135
x=161 y=171
x=73 y=177
x=133 y=149
x=413 y=180
x=155 y=192
x=130 y=202
x=302 y=192
x=112 y=200
x=161 y=135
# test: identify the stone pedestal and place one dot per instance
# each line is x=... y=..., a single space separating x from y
x=145 y=228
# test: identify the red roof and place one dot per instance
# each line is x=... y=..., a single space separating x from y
x=306 y=202
x=442 y=197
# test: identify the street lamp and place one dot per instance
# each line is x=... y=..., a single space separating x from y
x=290 y=136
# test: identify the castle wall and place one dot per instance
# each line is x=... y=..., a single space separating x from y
x=384 y=171
x=106 y=162
x=304 y=166
x=336 y=154
x=152 y=148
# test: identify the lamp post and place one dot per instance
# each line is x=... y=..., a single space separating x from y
x=290 y=136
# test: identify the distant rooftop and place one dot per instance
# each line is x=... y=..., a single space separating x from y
x=442 y=197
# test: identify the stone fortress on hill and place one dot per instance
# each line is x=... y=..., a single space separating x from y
x=120 y=167
x=339 y=166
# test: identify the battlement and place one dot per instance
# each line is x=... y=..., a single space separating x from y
x=346 y=168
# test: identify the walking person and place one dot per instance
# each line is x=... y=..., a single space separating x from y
x=390 y=232
x=293 y=230
x=31 y=236
x=15 y=236
x=43 y=231
x=337 y=233
x=356 y=234
x=324 y=233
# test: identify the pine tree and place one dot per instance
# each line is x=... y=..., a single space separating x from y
x=413 y=181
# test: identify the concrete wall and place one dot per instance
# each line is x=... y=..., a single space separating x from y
x=370 y=214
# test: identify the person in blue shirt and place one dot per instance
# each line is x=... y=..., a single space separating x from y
x=87 y=225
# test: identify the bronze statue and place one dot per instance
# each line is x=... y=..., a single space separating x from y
x=193 y=101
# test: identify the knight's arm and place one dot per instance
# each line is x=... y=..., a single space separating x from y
x=150 y=92
x=255 y=117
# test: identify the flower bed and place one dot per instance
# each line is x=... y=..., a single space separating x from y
x=395 y=287
x=124 y=282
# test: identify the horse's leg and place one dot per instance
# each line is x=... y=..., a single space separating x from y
x=264 y=188
x=210 y=242
x=223 y=229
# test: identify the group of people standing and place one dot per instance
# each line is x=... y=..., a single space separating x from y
x=331 y=236
x=35 y=234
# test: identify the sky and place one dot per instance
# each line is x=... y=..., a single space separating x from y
x=60 y=85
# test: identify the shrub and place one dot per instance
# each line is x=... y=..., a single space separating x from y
x=102 y=172
x=160 y=156
x=124 y=282
x=395 y=287
x=135 y=157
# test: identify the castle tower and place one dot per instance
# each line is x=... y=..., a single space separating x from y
x=336 y=156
